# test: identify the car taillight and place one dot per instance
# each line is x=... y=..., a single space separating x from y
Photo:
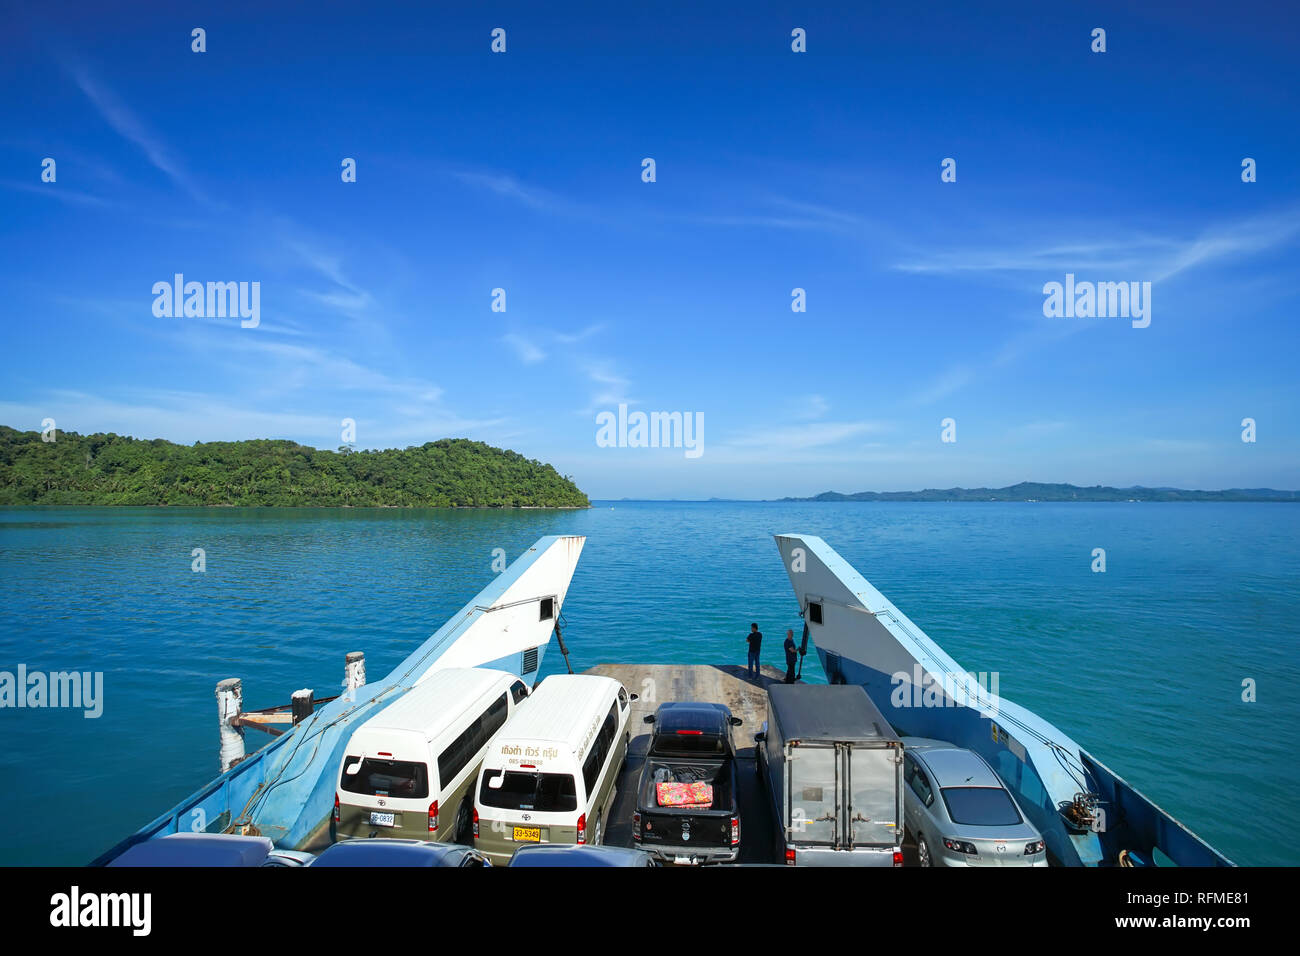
x=582 y=829
x=789 y=855
x=898 y=858
x=476 y=823
x=735 y=831
x=336 y=808
x=433 y=817
x=961 y=846
x=1032 y=848
x=636 y=826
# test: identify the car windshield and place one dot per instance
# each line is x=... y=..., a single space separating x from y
x=980 y=806
x=529 y=791
x=386 y=778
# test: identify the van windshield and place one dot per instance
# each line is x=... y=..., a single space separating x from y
x=386 y=778
x=529 y=791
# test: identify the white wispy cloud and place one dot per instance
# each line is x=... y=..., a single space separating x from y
x=787 y=438
x=528 y=351
x=130 y=127
x=1118 y=251
x=62 y=193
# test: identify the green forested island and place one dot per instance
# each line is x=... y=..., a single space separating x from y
x=1038 y=491
x=108 y=469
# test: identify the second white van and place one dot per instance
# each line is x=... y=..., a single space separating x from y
x=550 y=775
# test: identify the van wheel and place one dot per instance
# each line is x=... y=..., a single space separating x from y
x=463 y=835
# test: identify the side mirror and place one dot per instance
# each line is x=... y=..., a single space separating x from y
x=633 y=696
x=760 y=737
x=649 y=718
x=736 y=721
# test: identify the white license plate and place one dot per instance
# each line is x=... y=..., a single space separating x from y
x=382 y=820
x=684 y=860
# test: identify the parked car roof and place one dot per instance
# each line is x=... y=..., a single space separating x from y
x=562 y=854
x=418 y=708
x=385 y=851
x=558 y=703
x=691 y=715
x=952 y=766
x=197 y=849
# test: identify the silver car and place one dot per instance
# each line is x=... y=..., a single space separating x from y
x=958 y=811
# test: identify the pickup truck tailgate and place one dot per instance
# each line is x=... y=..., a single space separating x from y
x=686 y=829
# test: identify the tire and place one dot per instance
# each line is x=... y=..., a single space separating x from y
x=463 y=834
x=923 y=852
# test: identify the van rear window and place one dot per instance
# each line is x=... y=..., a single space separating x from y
x=387 y=778
x=530 y=791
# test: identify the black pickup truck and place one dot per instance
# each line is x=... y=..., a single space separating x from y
x=690 y=744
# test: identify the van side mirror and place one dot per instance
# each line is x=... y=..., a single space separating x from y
x=760 y=737
x=649 y=718
x=736 y=721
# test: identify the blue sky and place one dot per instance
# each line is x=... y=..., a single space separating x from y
x=774 y=170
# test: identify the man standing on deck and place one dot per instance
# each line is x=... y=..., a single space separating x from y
x=755 y=638
x=791 y=656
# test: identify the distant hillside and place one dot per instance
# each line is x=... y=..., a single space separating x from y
x=111 y=469
x=1037 y=491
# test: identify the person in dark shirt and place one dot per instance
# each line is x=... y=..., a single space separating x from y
x=755 y=638
x=791 y=656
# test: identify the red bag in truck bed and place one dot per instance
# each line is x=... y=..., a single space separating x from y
x=684 y=794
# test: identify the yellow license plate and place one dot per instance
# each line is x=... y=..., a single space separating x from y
x=528 y=834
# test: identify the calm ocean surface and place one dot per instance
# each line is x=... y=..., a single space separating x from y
x=1142 y=665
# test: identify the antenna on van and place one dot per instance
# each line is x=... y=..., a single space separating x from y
x=560 y=640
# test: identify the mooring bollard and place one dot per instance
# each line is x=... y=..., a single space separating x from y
x=230 y=702
x=301 y=703
x=354 y=670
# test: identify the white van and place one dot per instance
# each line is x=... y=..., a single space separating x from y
x=409 y=771
x=550 y=774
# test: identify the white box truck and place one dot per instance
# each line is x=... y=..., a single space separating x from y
x=833 y=770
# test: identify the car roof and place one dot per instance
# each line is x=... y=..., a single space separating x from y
x=382 y=851
x=952 y=766
x=691 y=715
x=424 y=708
x=197 y=849
x=560 y=854
x=560 y=709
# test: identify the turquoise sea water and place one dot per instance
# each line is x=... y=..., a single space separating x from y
x=1143 y=665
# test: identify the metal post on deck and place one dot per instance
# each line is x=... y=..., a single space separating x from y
x=301 y=704
x=230 y=702
x=354 y=670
